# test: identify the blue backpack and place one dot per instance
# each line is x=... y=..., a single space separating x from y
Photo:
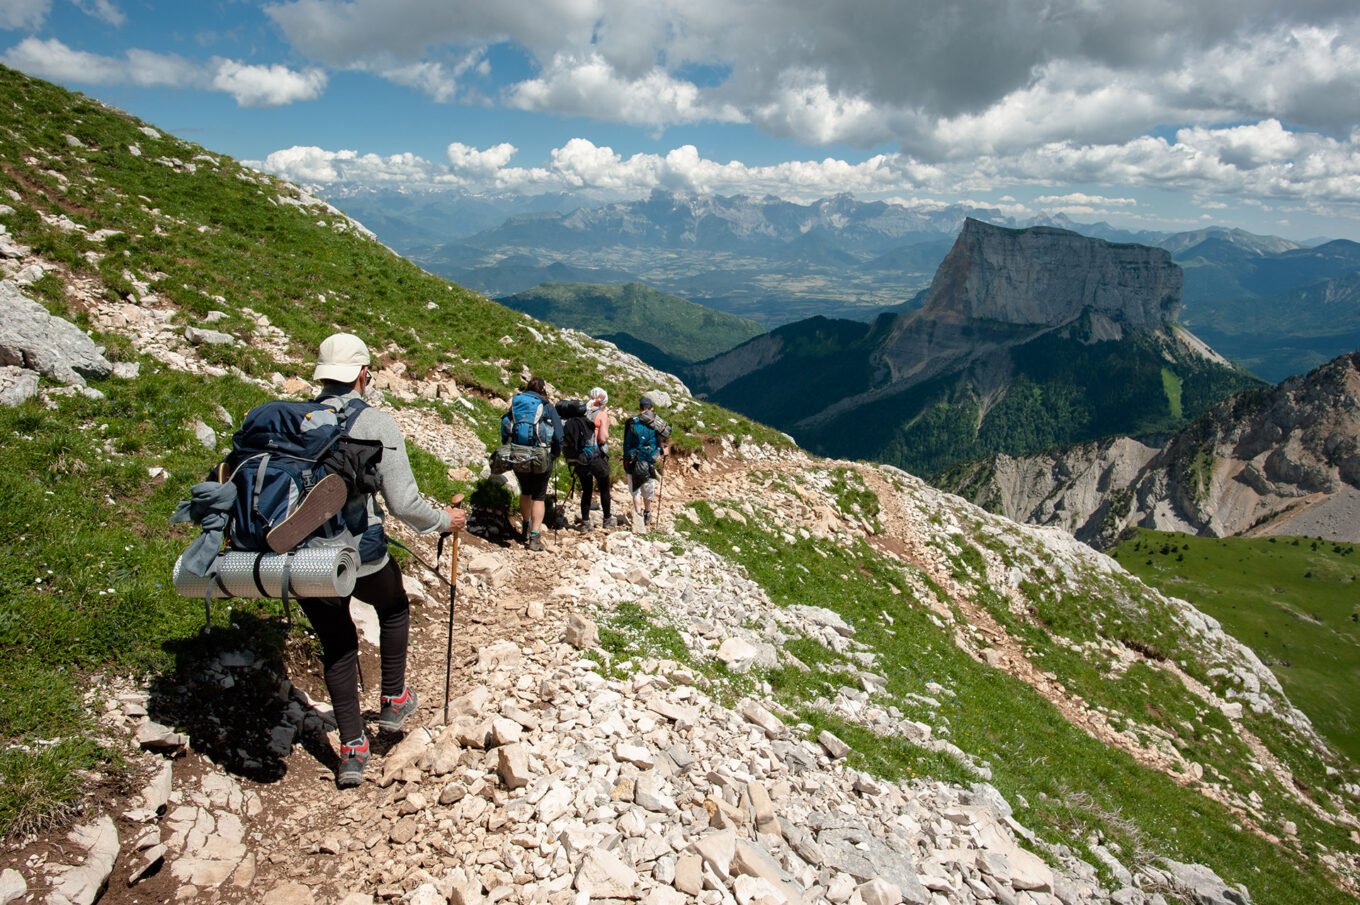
x=642 y=439
x=524 y=424
x=280 y=452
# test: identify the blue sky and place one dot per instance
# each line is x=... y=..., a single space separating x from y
x=1145 y=113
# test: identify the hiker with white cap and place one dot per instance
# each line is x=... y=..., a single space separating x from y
x=344 y=369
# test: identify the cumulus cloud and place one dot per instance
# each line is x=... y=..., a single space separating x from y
x=252 y=86
x=938 y=80
x=24 y=13
x=312 y=165
x=590 y=86
x=432 y=79
x=1084 y=200
x=267 y=86
x=469 y=161
x=51 y=59
x=104 y=10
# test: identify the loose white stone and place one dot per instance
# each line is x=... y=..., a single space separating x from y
x=84 y=884
x=834 y=746
x=604 y=875
x=513 y=767
x=13 y=886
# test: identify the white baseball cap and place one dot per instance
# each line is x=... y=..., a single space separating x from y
x=342 y=357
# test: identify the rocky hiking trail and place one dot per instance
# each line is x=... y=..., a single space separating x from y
x=553 y=783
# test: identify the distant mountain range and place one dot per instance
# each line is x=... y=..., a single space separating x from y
x=1027 y=339
x=668 y=333
x=1277 y=307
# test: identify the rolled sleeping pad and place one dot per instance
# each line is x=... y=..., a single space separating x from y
x=313 y=572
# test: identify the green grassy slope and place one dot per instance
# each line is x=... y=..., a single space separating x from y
x=1294 y=601
x=85 y=547
x=682 y=330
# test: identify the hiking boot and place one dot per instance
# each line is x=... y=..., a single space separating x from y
x=396 y=709
x=353 y=758
x=321 y=502
x=610 y=521
x=535 y=542
x=646 y=518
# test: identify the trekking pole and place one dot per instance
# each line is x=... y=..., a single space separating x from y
x=660 y=497
x=453 y=599
x=571 y=491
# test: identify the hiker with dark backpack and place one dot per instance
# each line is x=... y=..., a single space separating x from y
x=585 y=439
x=343 y=367
x=532 y=427
x=644 y=444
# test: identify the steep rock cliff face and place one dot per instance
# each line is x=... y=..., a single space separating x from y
x=1004 y=286
x=1049 y=276
x=1280 y=461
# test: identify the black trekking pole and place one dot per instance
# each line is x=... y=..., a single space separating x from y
x=453 y=599
x=571 y=491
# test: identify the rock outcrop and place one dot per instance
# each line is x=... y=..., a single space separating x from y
x=36 y=341
x=1048 y=277
x=1278 y=461
x=1000 y=287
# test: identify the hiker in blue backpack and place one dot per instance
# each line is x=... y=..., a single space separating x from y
x=343 y=367
x=644 y=438
x=533 y=421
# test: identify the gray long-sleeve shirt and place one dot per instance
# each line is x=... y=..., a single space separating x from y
x=399 y=490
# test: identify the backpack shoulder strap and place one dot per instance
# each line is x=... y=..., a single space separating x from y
x=350 y=413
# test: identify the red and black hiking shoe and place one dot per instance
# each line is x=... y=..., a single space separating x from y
x=395 y=710
x=353 y=759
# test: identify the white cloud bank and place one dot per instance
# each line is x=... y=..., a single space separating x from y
x=1260 y=161
x=251 y=86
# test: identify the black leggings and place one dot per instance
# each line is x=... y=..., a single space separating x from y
x=340 y=642
x=589 y=475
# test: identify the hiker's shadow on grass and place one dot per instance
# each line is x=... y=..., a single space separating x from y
x=226 y=693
